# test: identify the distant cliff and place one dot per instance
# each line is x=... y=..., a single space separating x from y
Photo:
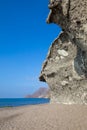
x=65 y=68
x=40 y=93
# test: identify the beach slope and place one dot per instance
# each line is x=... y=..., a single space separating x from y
x=44 y=117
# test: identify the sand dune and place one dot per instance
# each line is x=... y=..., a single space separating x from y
x=44 y=117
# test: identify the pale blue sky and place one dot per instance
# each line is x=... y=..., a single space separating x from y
x=24 y=41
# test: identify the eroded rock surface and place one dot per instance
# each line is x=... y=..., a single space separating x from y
x=65 y=68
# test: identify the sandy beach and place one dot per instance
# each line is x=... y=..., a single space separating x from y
x=44 y=117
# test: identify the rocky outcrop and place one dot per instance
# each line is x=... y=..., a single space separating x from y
x=65 y=68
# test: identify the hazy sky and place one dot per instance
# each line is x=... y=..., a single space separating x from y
x=24 y=42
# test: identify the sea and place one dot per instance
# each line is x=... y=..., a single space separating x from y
x=15 y=102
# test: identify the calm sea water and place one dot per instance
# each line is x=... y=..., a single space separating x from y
x=13 y=102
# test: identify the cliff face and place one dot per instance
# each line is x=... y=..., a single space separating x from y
x=65 y=68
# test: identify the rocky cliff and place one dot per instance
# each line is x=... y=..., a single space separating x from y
x=65 y=68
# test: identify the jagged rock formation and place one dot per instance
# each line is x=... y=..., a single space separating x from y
x=65 y=68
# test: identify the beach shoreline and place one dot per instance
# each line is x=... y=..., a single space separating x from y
x=44 y=117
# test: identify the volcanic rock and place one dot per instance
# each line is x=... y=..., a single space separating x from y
x=65 y=68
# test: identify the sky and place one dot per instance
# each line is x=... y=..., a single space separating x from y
x=25 y=38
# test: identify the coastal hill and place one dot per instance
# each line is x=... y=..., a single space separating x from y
x=65 y=68
x=42 y=92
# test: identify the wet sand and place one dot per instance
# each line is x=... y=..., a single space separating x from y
x=44 y=117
